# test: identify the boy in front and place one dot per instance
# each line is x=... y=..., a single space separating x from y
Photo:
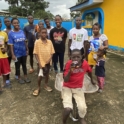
x=74 y=72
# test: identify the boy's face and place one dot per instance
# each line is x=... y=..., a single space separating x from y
x=58 y=21
x=7 y=22
x=76 y=56
x=30 y=19
x=44 y=34
x=41 y=25
x=78 y=21
x=47 y=22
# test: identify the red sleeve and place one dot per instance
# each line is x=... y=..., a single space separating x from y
x=67 y=67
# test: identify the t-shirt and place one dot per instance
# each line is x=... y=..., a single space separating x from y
x=43 y=50
x=99 y=69
x=3 y=39
x=77 y=76
x=17 y=39
x=96 y=43
x=78 y=36
x=48 y=31
x=58 y=38
x=30 y=34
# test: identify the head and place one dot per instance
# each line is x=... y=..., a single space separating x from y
x=47 y=22
x=78 y=21
x=43 y=33
x=0 y=23
x=15 y=22
x=58 y=20
x=76 y=55
x=41 y=24
x=30 y=19
x=7 y=22
x=101 y=53
x=96 y=28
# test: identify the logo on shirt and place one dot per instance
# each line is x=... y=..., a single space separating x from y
x=58 y=37
x=78 y=70
x=78 y=37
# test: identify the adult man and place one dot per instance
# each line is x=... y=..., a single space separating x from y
x=78 y=37
x=48 y=26
x=58 y=37
x=30 y=35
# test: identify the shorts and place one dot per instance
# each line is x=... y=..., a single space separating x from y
x=31 y=50
x=78 y=94
x=4 y=66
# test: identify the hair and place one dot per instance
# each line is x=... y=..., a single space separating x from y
x=14 y=19
x=103 y=51
x=75 y=50
x=40 y=22
x=97 y=24
x=6 y=18
x=46 y=19
x=43 y=29
x=30 y=15
x=78 y=17
x=58 y=16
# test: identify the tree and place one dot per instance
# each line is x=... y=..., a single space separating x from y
x=27 y=7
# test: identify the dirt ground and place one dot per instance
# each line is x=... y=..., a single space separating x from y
x=19 y=106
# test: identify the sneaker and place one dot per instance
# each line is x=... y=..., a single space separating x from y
x=100 y=91
x=27 y=80
x=21 y=81
x=16 y=77
x=7 y=86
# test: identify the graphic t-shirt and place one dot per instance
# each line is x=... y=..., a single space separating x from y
x=3 y=39
x=17 y=39
x=96 y=43
x=58 y=38
x=77 y=76
x=78 y=36
x=30 y=34
x=99 y=69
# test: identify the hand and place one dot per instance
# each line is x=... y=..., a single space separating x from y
x=40 y=66
x=27 y=52
x=48 y=61
x=14 y=57
x=0 y=45
x=3 y=50
x=101 y=48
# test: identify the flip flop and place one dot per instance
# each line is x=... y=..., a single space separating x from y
x=36 y=92
x=49 y=89
x=31 y=71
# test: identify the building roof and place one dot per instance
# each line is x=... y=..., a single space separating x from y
x=84 y=4
x=4 y=12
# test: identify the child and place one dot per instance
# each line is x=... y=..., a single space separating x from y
x=74 y=72
x=100 y=70
x=4 y=64
x=43 y=51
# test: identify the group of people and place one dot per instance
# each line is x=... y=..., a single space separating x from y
x=47 y=44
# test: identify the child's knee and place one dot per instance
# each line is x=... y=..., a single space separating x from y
x=82 y=110
x=67 y=109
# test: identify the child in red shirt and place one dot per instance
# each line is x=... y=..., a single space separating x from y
x=74 y=73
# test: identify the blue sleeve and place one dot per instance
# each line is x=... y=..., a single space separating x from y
x=10 y=41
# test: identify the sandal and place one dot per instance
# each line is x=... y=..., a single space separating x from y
x=31 y=71
x=36 y=92
x=49 y=89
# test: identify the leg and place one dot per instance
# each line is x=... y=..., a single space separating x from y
x=7 y=77
x=61 y=61
x=49 y=89
x=81 y=104
x=66 y=114
x=31 y=59
x=101 y=81
x=55 y=61
x=4 y=80
x=17 y=66
x=67 y=103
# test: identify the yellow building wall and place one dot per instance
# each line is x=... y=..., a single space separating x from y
x=114 y=21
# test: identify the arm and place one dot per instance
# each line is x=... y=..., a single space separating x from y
x=69 y=45
x=105 y=44
x=67 y=77
x=90 y=75
x=12 y=52
x=37 y=58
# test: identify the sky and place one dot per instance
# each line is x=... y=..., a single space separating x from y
x=60 y=7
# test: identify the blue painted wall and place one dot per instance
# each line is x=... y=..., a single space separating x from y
x=66 y=24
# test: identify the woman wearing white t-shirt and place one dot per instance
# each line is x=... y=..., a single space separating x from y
x=97 y=41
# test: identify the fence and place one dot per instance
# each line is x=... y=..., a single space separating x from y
x=23 y=21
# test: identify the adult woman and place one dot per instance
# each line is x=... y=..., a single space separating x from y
x=97 y=41
x=19 y=49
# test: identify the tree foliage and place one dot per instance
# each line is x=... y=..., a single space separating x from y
x=27 y=7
